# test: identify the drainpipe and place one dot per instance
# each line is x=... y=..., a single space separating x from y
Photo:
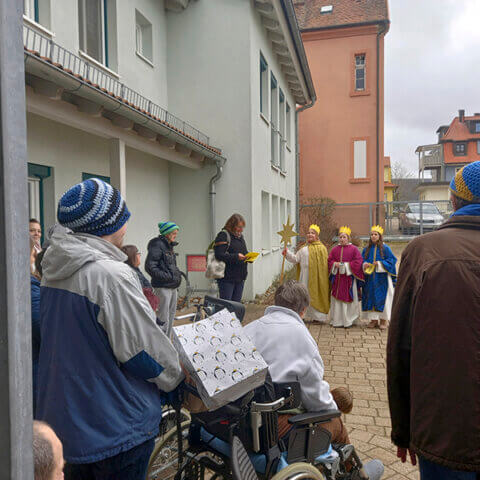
x=297 y=162
x=213 y=191
x=383 y=28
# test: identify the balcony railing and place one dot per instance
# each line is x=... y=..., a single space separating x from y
x=430 y=156
x=47 y=50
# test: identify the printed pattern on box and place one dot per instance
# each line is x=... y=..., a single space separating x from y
x=221 y=359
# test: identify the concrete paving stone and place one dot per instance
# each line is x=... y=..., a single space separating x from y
x=383 y=422
x=361 y=419
x=362 y=388
x=403 y=468
x=356 y=375
x=361 y=435
x=370 y=412
x=366 y=395
x=381 y=442
x=386 y=456
x=378 y=430
x=383 y=412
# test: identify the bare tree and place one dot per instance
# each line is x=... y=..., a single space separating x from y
x=400 y=170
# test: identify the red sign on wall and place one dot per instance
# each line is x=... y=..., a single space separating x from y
x=196 y=263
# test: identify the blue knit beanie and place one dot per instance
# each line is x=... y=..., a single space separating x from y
x=94 y=207
x=167 y=227
x=466 y=183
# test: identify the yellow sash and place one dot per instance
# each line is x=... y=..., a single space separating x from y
x=318 y=283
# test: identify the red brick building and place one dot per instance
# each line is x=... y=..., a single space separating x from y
x=342 y=135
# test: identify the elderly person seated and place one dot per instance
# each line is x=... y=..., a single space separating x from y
x=292 y=355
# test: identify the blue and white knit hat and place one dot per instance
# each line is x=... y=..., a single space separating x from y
x=466 y=183
x=94 y=207
x=167 y=227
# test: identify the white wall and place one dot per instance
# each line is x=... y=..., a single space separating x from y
x=132 y=70
x=209 y=85
x=148 y=197
x=263 y=177
x=70 y=152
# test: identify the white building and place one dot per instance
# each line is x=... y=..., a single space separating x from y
x=113 y=87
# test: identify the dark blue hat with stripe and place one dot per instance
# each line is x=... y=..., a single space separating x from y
x=93 y=207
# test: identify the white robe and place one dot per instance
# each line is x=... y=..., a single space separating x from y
x=301 y=257
x=387 y=309
x=344 y=314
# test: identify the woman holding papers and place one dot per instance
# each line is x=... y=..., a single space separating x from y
x=312 y=271
x=230 y=247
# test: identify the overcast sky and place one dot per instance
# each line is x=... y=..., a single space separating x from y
x=432 y=69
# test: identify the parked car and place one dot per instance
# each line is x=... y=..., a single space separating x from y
x=410 y=218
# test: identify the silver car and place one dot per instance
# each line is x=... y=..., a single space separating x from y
x=410 y=218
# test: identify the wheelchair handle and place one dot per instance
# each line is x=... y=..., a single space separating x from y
x=268 y=407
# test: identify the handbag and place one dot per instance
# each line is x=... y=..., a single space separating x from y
x=215 y=268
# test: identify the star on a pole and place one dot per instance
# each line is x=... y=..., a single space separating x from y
x=287 y=233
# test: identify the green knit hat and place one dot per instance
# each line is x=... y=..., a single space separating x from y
x=167 y=227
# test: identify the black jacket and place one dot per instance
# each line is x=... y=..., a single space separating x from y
x=161 y=263
x=235 y=269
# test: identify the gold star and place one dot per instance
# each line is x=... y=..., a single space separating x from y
x=287 y=233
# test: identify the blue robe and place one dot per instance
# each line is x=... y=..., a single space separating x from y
x=376 y=285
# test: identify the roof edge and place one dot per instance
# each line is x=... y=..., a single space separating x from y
x=349 y=25
x=289 y=11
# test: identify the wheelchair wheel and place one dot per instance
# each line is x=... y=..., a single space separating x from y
x=163 y=463
x=299 y=471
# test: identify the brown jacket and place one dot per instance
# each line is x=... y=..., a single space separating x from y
x=433 y=352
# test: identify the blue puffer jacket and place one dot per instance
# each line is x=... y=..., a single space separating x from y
x=35 y=299
x=104 y=362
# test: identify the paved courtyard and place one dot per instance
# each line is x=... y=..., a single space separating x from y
x=356 y=358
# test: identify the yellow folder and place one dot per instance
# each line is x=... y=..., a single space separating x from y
x=250 y=257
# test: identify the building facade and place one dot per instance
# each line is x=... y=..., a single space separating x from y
x=114 y=89
x=458 y=145
x=342 y=136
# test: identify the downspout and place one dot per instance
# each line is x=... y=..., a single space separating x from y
x=381 y=31
x=297 y=162
x=213 y=191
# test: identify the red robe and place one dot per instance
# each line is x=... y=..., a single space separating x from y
x=341 y=283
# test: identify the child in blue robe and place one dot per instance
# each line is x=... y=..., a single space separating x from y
x=380 y=267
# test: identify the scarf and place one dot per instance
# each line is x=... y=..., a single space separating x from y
x=473 y=210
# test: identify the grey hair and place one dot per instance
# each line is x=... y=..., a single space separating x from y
x=43 y=460
x=292 y=295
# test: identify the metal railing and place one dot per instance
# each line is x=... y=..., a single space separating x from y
x=399 y=219
x=45 y=48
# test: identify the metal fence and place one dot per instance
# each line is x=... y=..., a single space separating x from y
x=47 y=50
x=399 y=219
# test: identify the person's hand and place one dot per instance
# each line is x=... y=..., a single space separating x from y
x=402 y=455
x=336 y=264
x=241 y=256
x=284 y=252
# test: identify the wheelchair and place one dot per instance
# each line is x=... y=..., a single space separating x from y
x=207 y=445
x=214 y=445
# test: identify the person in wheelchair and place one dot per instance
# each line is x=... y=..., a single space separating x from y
x=292 y=355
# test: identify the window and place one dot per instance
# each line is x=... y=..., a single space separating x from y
x=478 y=147
x=37 y=11
x=30 y=9
x=460 y=149
x=360 y=72
x=326 y=9
x=274 y=120
x=265 y=221
x=282 y=130
x=289 y=209
x=86 y=176
x=289 y=124
x=92 y=16
x=263 y=86
x=283 y=217
x=477 y=127
x=38 y=176
x=360 y=159
x=275 y=221
x=143 y=36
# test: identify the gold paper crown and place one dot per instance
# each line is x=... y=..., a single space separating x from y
x=346 y=230
x=314 y=227
x=378 y=229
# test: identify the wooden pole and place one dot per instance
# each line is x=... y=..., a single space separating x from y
x=283 y=268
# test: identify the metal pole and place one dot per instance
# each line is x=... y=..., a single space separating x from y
x=16 y=462
x=421 y=217
x=370 y=214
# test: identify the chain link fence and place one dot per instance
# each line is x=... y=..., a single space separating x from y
x=399 y=219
